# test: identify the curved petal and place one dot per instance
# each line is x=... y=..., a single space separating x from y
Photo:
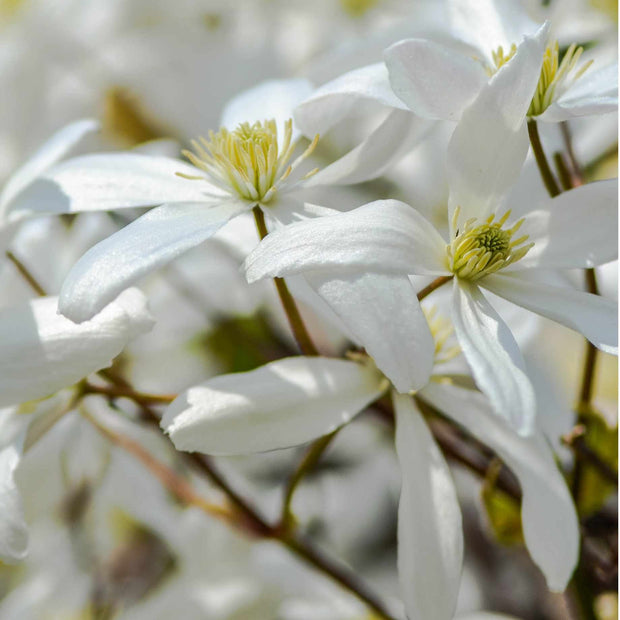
x=548 y=514
x=13 y=527
x=576 y=229
x=384 y=315
x=593 y=316
x=53 y=150
x=490 y=144
x=430 y=531
x=595 y=93
x=142 y=246
x=110 y=181
x=432 y=79
x=42 y=352
x=333 y=101
x=396 y=135
x=282 y=404
x=494 y=357
x=274 y=99
x=386 y=236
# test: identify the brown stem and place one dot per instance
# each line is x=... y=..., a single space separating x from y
x=434 y=285
x=541 y=159
x=288 y=303
x=564 y=174
x=117 y=391
x=25 y=273
x=577 y=172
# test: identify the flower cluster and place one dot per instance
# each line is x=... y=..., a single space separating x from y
x=416 y=292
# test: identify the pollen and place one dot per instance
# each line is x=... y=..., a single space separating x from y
x=555 y=76
x=250 y=162
x=481 y=249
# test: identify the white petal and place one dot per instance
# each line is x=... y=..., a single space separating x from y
x=396 y=135
x=386 y=236
x=576 y=229
x=433 y=80
x=335 y=100
x=110 y=181
x=13 y=528
x=494 y=356
x=142 y=246
x=594 y=93
x=487 y=24
x=593 y=316
x=548 y=514
x=51 y=152
x=275 y=99
x=430 y=532
x=384 y=315
x=42 y=352
x=490 y=144
x=282 y=404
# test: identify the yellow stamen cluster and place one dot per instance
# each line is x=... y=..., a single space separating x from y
x=555 y=76
x=441 y=330
x=248 y=162
x=358 y=8
x=500 y=59
x=478 y=250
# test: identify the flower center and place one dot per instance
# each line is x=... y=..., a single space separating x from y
x=481 y=249
x=248 y=162
x=441 y=330
x=555 y=76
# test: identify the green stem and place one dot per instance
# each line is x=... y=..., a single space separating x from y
x=541 y=160
x=25 y=273
x=288 y=303
x=310 y=459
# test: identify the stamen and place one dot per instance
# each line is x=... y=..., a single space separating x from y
x=477 y=251
x=441 y=330
x=248 y=162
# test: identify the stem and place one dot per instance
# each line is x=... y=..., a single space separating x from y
x=117 y=391
x=288 y=303
x=541 y=159
x=564 y=173
x=310 y=459
x=25 y=273
x=577 y=175
x=175 y=484
x=435 y=284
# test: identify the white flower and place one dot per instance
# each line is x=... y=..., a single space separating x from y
x=249 y=163
x=390 y=240
x=294 y=400
x=438 y=80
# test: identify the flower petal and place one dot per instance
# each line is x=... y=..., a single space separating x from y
x=335 y=100
x=396 y=135
x=430 y=532
x=576 y=229
x=385 y=236
x=593 y=316
x=274 y=99
x=595 y=93
x=110 y=181
x=433 y=80
x=147 y=243
x=494 y=356
x=42 y=352
x=54 y=149
x=384 y=315
x=13 y=527
x=548 y=514
x=490 y=144
x=285 y=403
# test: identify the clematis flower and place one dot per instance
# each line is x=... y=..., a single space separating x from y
x=249 y=163
x=437 y=81
x=295 y=400
x=487 y=249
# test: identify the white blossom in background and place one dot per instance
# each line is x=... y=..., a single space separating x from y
x=484 y=249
